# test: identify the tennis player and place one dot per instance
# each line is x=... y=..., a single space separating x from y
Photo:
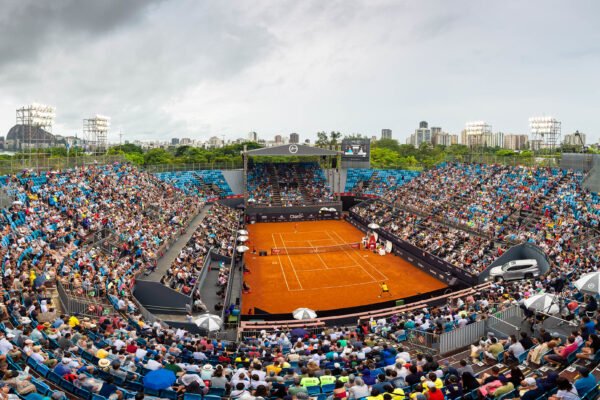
x=384 y=289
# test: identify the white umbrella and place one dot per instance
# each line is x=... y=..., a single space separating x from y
x=589 y=283
x=373 y=225
x=332 y=209
x=242 y=249
x=242 y=238
x=243 y=232
x=546 y=303
x=304 y=313
x=210 y=322
x=324 y=209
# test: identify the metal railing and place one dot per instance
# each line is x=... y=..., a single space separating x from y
x=461 y=337
x=40 y=163
x=426 y=341
x=155 y=168
x=92 y=307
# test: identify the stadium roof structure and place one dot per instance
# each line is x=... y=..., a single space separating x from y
x=291 y=150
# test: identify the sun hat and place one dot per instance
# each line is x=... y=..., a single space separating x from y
x=104 y=363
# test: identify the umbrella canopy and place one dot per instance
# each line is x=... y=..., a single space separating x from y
x=546 y=303
x=304 y=313
x=210 y=322
x=242 y=238
x=373 y=225
x=159 y=379
x=589 y=283
x=242 y=249
x=324 y=209
x=243 y=232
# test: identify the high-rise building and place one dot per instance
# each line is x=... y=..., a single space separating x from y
x=294 y=138
x=278 y=139
x=498 y=139
x=185 y=141
x=546 y=131
x=174 y=141
x=574 y=139
x=441 y=138
x=386 y=133
x=478 y=134
x=253 y=137
x=515 y=142
x=422 y=134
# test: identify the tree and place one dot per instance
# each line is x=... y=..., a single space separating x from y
x=126 y=149
x=322 y=139
x=334 y=138
x=391 y=144
x=157 y=156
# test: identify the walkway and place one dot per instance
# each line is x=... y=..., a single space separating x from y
x=209 y=288
x=165 y=262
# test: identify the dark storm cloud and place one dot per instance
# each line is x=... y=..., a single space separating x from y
x=27 y=26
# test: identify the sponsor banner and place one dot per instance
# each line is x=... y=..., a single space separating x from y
x=294 y=216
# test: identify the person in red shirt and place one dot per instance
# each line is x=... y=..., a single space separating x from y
x=561 y=353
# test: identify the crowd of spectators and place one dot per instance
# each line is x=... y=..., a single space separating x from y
x=49 y=233
x=217 y=232
x=468 y=214
x=288 y=184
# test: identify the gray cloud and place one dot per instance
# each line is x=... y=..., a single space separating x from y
x=28 y=26
x=200 y=68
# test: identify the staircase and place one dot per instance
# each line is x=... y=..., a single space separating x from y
x=276 y=190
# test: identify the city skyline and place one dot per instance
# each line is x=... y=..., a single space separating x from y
x=289 y=67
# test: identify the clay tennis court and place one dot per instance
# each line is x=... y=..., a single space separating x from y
x=323 y=281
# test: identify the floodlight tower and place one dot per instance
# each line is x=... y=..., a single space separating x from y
x=545 y=132
x=35 y=116
x=95 y=133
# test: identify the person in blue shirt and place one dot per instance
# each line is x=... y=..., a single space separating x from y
x=63 y=367
x=586 y=382
x=108 y=388
x=589 y=327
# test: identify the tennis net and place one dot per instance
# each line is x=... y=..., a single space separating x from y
x=313 y=250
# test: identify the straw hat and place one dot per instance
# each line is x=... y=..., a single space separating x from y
x=104 y=363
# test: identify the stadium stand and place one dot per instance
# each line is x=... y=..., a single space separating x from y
x=376 y=181
x=54 y=216
x=204 y=183
x=287 y=184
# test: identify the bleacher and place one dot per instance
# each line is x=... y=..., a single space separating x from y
x=376 y=181
x=205 y=183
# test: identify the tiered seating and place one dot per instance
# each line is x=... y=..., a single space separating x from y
x=217 y=231
x=288 y=184
x=376 y=182
x=204 y=183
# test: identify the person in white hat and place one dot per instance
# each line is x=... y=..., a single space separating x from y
x=206 y=372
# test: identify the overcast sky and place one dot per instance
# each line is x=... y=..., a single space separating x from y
x=163 y=69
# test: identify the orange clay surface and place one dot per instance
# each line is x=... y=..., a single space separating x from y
x=323 y=281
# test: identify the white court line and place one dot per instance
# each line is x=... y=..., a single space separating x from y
x=321 y=269
x=300 y=232
x=291 y=262
x=362 y=259
x=334 y=287
x=280 y=265
x=312 y=240
x=320 y=258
